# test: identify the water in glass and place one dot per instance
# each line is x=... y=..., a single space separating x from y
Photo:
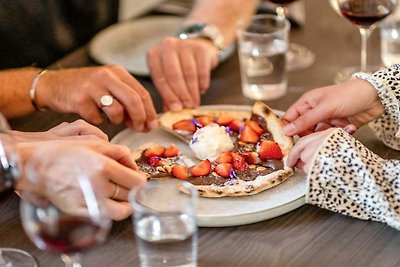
x=167 y=240
x=263 y=69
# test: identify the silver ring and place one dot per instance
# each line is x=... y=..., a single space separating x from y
x=106 y=101
x=116 y=191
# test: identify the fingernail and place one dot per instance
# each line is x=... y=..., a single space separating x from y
x=350 y=128
x=153 y=124
x=289 y=129
x=175 y=106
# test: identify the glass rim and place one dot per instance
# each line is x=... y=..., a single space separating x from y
x=285 y=27
x=191 y=192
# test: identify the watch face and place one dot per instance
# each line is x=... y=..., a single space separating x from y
x=194 y=28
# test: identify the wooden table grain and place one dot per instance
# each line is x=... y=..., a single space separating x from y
x=308 y=236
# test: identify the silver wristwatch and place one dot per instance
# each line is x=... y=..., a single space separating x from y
x=204 y=30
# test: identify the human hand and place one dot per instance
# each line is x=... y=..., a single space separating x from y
x=350 y=104
x=110 y=168
x=181 y=70
x=69 y=130
x=79 y=90
x=302 y=153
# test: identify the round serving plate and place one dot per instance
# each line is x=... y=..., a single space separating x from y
x=229 y=211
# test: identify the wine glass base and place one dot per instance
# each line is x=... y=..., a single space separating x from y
x=346 y=73
x=16 y=257
x=299 y=57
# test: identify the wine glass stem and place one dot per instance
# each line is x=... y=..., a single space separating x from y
x=72 y=260
x=364 y=32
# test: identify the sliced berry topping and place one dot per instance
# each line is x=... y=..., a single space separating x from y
x=256 y=127
x=223 y=169
x=201 y=169
x=184 y=125
x=180 y=172
x=270 y=150
x=238 y=162
x=225 y=119
x=236 y=125
x=154 y=151
x=225 y=157
x=250 y=157
x=154 y=161
x=171 y=151
x=248 y=135
x=205 y=120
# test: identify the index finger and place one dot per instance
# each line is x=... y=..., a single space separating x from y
x=304 y=121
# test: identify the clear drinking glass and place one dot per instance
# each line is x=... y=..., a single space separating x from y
x=165 y=223
x=299 y=57
x=263 y=44
x=364 y=14
x=9 y=174
x=63 y=207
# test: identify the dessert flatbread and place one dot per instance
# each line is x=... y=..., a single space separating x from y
x=264 y=167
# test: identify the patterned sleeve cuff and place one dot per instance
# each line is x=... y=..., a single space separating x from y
x=387 y=84
x=349 y=179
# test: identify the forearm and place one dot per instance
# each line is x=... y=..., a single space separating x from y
x=14 y=91
x=348 y=178
x=222 y=13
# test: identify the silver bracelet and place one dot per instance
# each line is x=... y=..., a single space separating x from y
x=32 y=91
x=376 y=83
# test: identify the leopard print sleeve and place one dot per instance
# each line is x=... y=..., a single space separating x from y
x=387 y=84
x=348 y=178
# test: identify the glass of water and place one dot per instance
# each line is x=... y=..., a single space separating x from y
x=390 y=38
x=263 y=46
x=165 y=223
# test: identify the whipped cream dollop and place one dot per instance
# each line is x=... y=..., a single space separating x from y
x=211 y=141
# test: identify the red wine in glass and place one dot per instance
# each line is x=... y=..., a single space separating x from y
x=69 y=234
x=366 y=16
x=282 y=2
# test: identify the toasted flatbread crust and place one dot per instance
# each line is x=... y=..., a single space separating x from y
x=236 y=187
x=169 y=118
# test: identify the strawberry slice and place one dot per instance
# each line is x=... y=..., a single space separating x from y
x=154 y=161
x=184 y=125
x=201 y=169
x=236 y=125
x=250 y=157
x=180 y=172
x=270 y=150
x=223 y=169
x=171 y=151
x=238 y=162
x=225 y=157
x=248 y=135
x=256 y=127
x=154 y=151
x=225 y=119
x=205 y=120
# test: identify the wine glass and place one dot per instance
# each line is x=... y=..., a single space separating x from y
x=9 y=174
x=298 y=56
x=364 y=14
x=64 y=206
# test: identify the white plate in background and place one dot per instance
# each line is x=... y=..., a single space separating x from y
x=126 y=43
x=229 y=211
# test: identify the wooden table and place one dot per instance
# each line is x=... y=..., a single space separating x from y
x=308 y=236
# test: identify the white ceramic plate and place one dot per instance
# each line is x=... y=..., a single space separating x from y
x=229 y=211
x=126 y=43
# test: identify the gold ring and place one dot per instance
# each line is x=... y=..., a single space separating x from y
x=116 y=191
x=106 y=101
